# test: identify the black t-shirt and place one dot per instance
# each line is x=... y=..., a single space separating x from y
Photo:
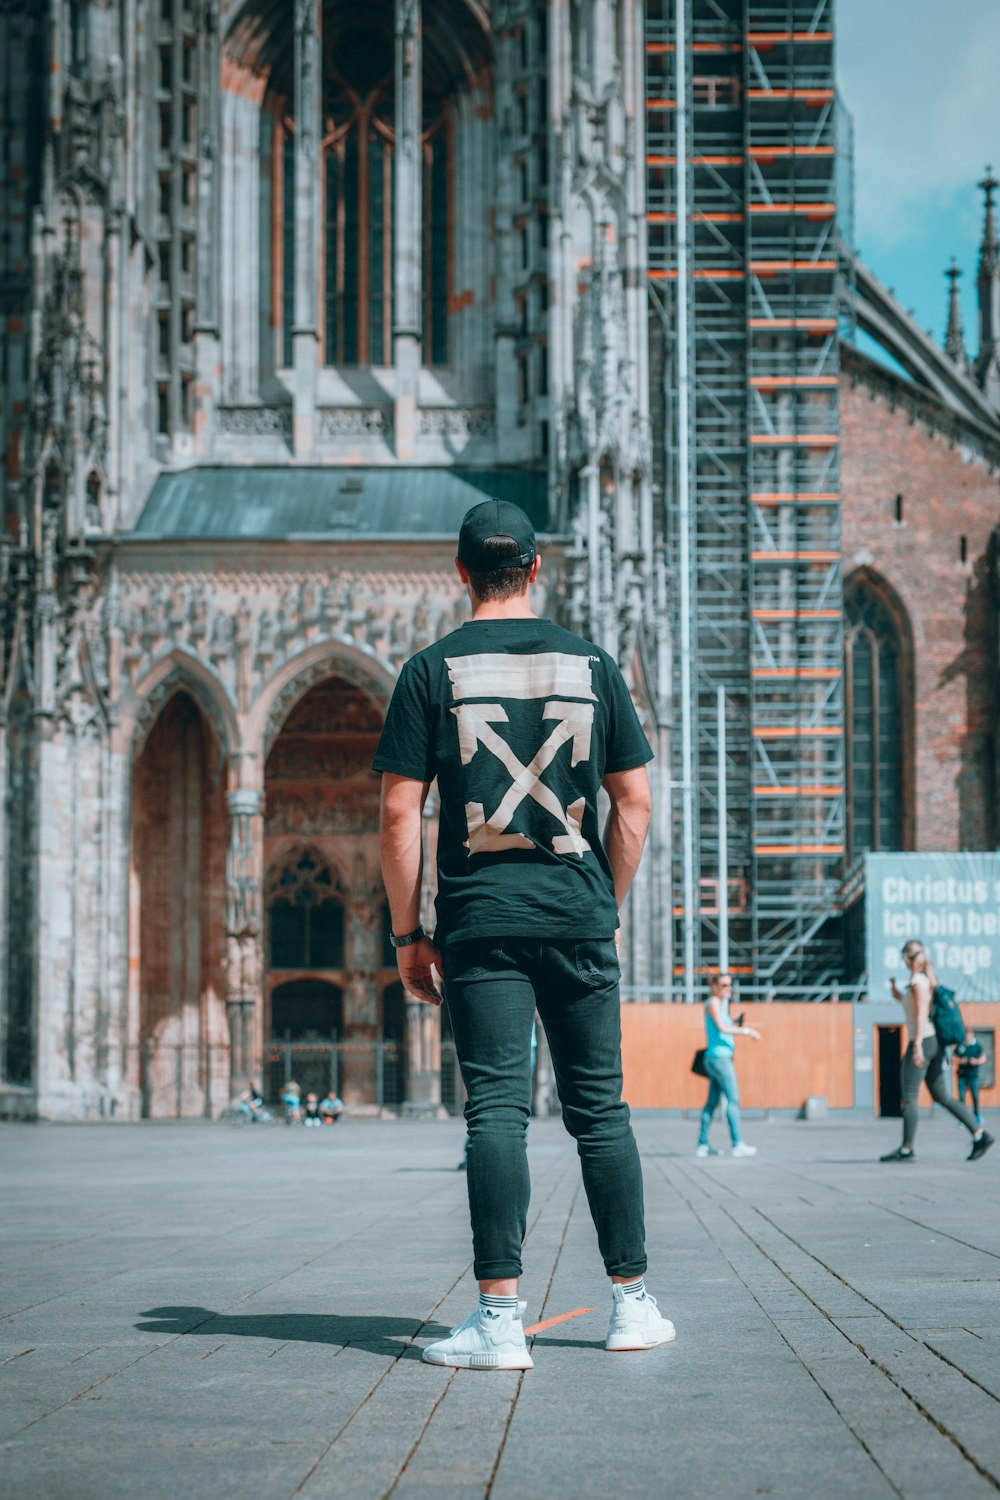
x=520 y=721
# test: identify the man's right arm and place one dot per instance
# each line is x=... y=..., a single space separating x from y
x=401 y=842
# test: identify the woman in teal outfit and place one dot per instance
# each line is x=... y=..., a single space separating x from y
x=722 y=1084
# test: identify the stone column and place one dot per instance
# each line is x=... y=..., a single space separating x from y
x=359 y=1061
x=308 y=133
x=244 y=930
x=422 y=1094
x=206 y=329
x=408 y=228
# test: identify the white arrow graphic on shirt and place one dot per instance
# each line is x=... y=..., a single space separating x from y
x=575 y=724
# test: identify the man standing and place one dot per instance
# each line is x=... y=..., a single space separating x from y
x=522 y=723
x=971 y=1058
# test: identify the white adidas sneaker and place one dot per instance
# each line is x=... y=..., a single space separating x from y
x=637 y=1323
x=742 y=1149
x=487 y=1340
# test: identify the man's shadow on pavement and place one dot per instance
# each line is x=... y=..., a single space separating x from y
x=376 y=1335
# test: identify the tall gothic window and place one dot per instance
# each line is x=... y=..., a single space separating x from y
x=357 y=184
x=305 y=917
x=877 y=716
x=355 y=292
x=437 y=234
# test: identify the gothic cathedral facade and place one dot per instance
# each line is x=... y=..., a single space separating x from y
x=288 y=284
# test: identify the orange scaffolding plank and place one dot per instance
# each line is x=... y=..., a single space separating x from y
x=816 y=325
x=795 y=614
x=795 y=556
x=696 y=161
x=796 y=732
x=809 y=210
x=769 y=153
x=766 y=268
x=755 y=38
x=706 y=273
x=700 y=218
x=798 y=791
x=745 y=969
x=798 y=439
x=819 y=674
x=775 y=382
x=782 y=849
x=659 y=48
x=810 y=96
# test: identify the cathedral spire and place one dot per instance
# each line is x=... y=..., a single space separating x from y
x=954 y=342
x=988 y=289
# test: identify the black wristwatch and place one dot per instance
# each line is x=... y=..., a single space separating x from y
x=407 y=938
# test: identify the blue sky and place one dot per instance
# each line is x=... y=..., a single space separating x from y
x=922 y=80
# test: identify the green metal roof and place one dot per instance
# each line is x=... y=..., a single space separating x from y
x=262 y=504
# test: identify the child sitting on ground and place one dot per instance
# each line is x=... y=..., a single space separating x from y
x=331 y=1108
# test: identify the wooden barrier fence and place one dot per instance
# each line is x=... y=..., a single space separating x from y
x=804 y=1049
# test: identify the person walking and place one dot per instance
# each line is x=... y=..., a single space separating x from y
x=721 y=1067
x=923 y=1060
x=522 y=723
x=971 y=1058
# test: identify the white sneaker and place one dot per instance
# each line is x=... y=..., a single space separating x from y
x=637 y=1323
x=744 y=1150
x=707 y=1151
x=487 y=1340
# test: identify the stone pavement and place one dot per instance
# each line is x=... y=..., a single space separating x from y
x=206 y=1311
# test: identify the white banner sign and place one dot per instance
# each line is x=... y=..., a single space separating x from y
x=951 y=902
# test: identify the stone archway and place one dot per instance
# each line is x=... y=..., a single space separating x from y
x=321 y=803
x=178 y=1028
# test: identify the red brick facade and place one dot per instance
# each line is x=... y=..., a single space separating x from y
x=936 y=560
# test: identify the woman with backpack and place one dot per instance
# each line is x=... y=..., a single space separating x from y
x=924 y=1059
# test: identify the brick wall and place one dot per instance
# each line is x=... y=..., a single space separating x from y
x=948 y=492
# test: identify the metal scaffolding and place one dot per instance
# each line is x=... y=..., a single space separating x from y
x=741 y=205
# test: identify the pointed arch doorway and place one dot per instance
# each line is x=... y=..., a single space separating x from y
x=179 y=1064
x=324 y=973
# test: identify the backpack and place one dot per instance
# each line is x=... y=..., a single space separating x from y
x=946 y=1018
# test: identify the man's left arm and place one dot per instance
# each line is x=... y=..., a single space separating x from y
x=628 y=823
x=401 y=842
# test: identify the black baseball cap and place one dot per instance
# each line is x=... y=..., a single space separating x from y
x=495 y=518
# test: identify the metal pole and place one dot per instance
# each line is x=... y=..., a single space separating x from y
x=723 y=830
x=684 y=508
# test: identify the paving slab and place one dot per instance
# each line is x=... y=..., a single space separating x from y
x=205 y=1311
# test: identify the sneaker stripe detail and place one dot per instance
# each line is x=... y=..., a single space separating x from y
x=635 y=1288
x=498 y=1304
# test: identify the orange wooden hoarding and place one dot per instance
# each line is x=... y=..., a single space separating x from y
x=804 y=1049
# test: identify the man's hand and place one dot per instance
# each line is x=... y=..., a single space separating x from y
x=414 y=963
x=749 y=1031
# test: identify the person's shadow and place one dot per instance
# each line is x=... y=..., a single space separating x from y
x=375 y=1334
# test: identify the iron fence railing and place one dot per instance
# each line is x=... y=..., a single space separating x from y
x=321 y=1064
x=191 y=1080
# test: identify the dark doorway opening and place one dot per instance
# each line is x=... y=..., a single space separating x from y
x=306 y=1008
x=890 y=1100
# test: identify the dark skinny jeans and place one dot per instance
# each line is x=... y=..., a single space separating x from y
x=493 y=988
x=931 y=1073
